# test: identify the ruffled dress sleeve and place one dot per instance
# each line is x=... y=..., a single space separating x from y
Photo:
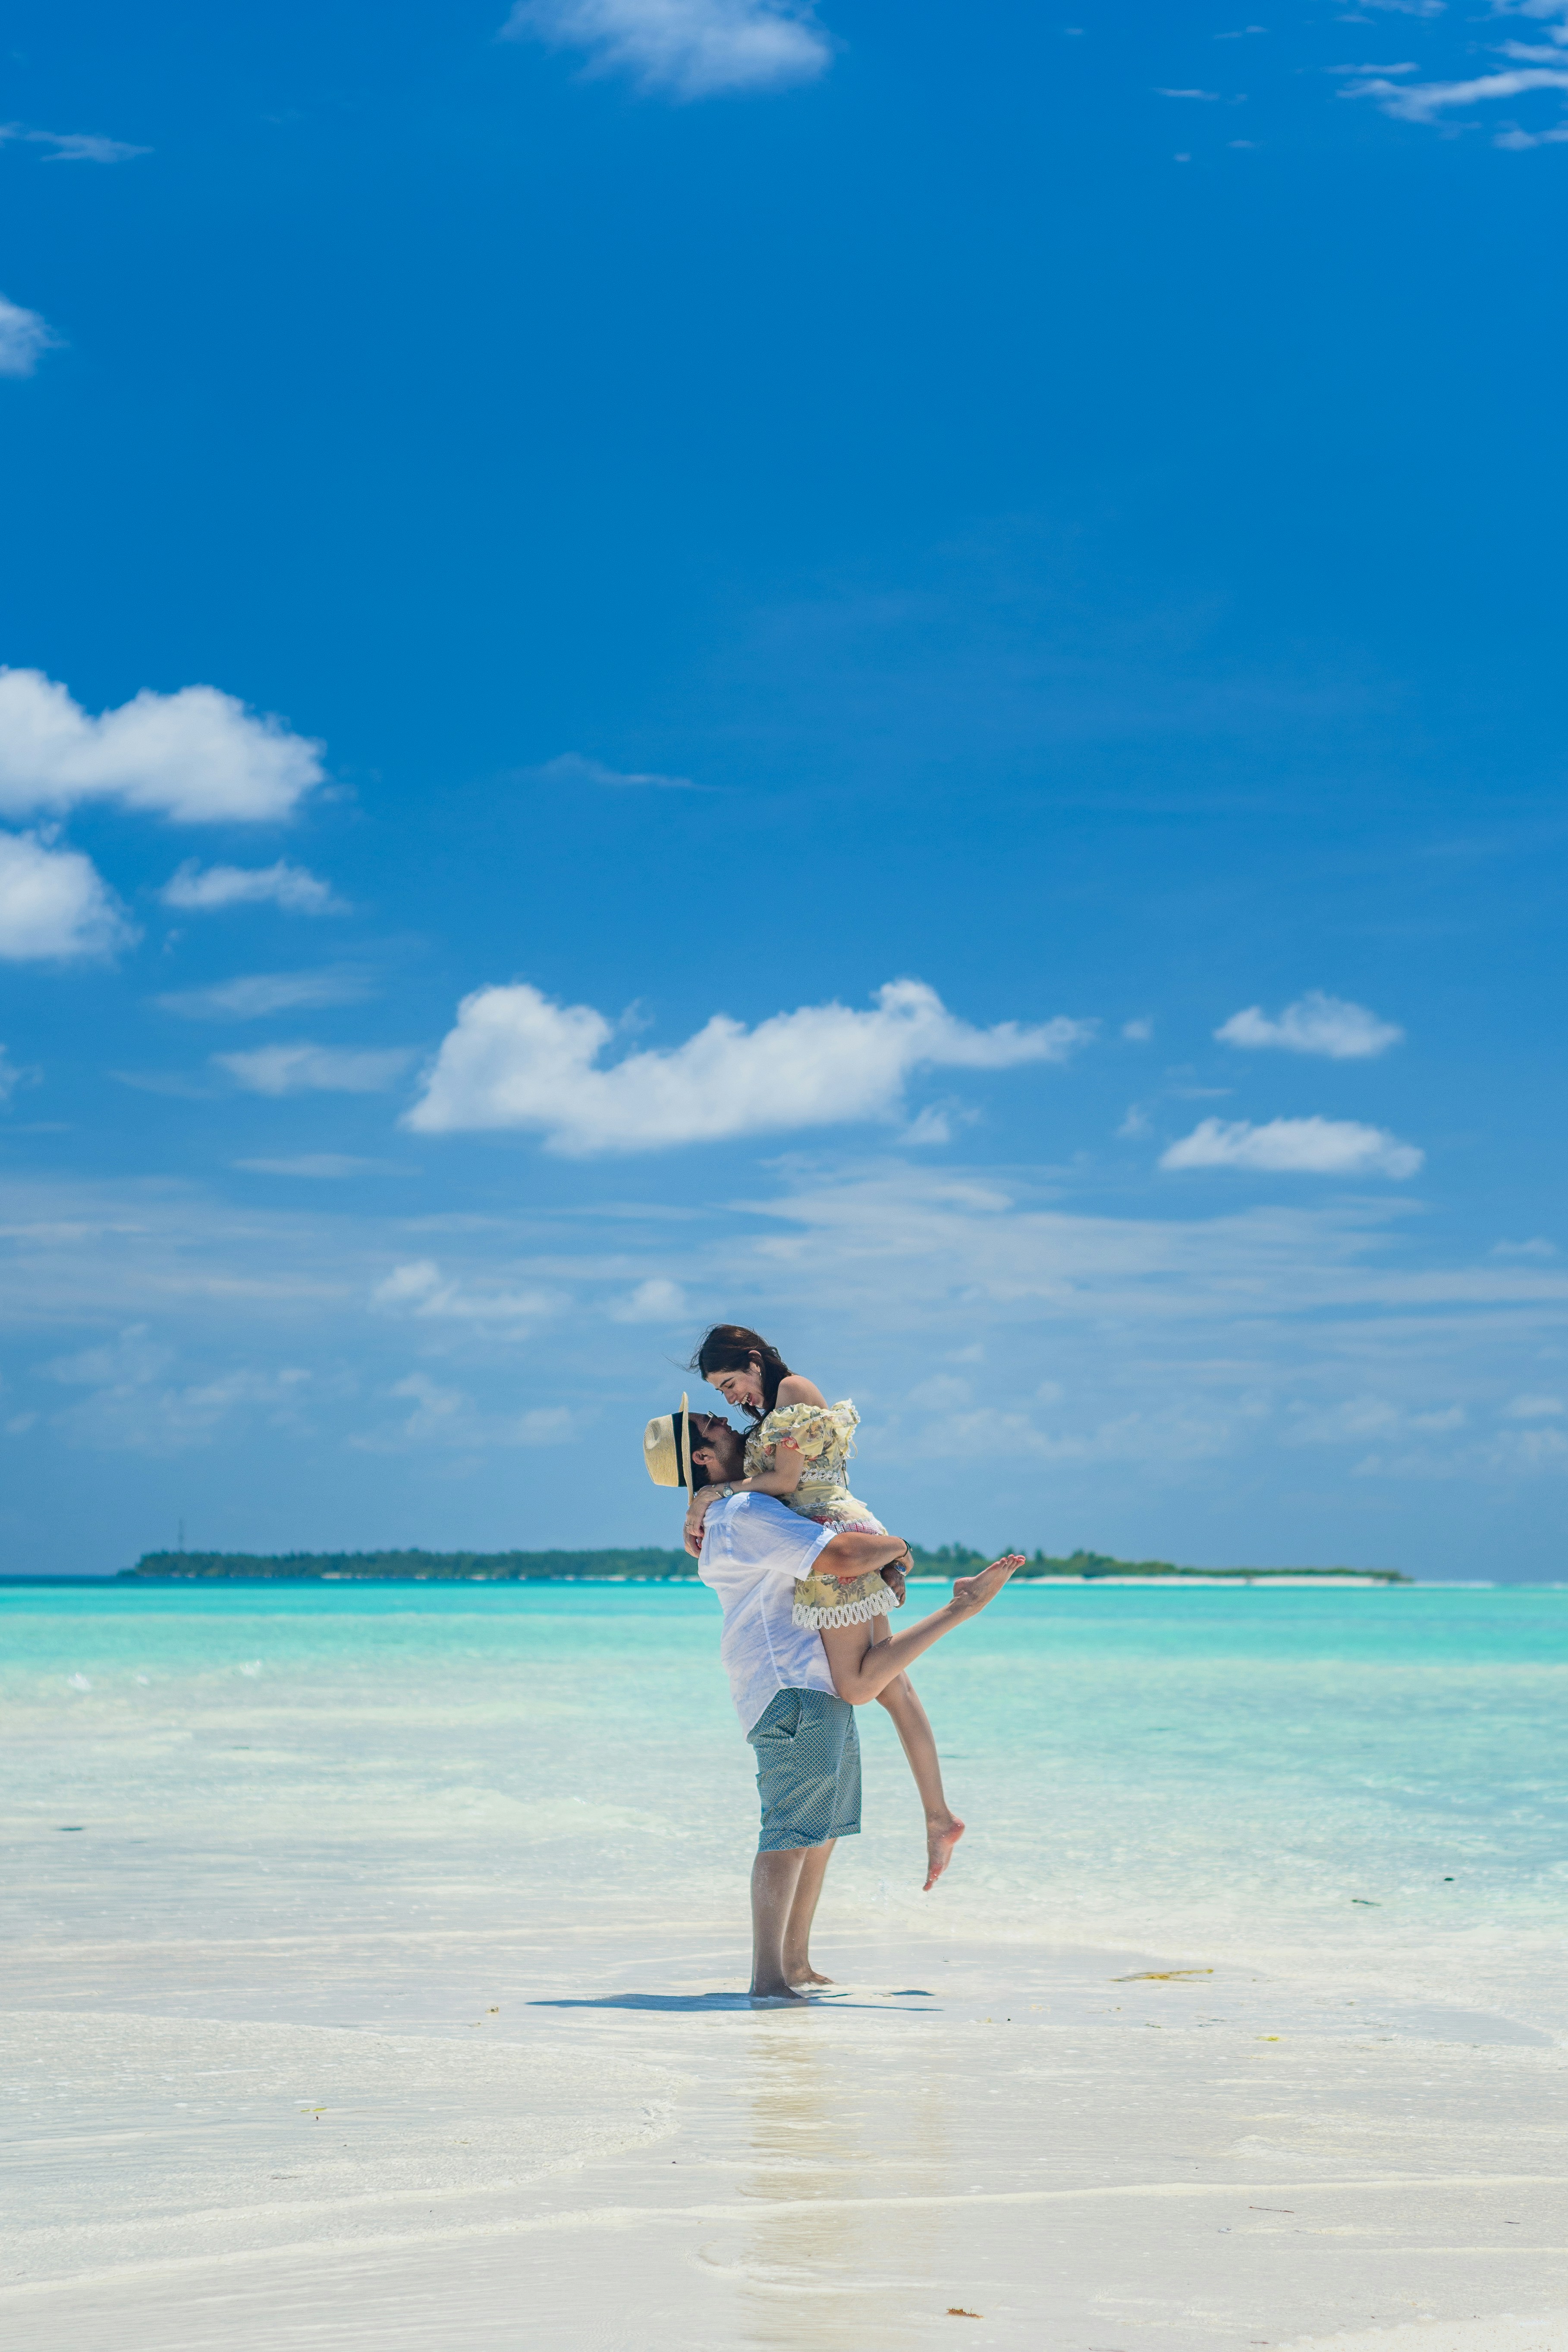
x=813 y=1429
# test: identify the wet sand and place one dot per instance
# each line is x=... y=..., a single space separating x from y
x=420 y=2139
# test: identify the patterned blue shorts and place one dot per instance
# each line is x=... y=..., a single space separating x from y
x=808 y=1770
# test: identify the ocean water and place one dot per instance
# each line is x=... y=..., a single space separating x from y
x=1376 y=1776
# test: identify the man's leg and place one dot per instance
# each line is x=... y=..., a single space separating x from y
x=797 y=1965
x=775 y=1881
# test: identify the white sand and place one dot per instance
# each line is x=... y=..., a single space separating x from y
x=207 y=2158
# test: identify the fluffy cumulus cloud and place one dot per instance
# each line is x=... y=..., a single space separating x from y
x=198 y=890
x=1315 y=1023
x=1295 y=1147
x=516 y=1059
x=24 y=339
x=683 y=49
x=316 y=1069
x=198 y=757
x=55 y=906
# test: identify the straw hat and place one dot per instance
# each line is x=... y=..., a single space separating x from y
x=666 y=1448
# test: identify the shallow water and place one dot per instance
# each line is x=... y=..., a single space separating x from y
x=1384 y=1772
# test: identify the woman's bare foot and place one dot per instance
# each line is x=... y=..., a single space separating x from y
x=941 y=1836
x=808 y=1976
x=976 y=1591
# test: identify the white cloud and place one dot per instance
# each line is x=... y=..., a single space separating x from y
x=324 y=1165
x=12 y=1075
x=1423 y=101
x=1295 y=1147
x=516 y=1060
x=572 y=767
x=130 y=1409
x=55 y=906
x=1538 y=1247
x=253 y=996
x=24 y=339
x=1315 y=1023
x=198 y=756
x=1138 y=1032
x=305 y=1069
x=197 y=891
x=653 y=1301
x=930 y=1127
x=1529 y=1449
x=1407 y=7
x=686 y=49
x=1533 y=68
x=1534 y=1407
x=449 y=1417
x=1209 y=96
x=420 y=1288
x=73 y=146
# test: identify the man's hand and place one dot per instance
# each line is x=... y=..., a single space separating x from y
x=893 y=1578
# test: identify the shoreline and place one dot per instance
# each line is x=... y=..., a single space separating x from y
x=1322 y=1579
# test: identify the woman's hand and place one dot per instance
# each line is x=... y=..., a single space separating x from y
x=691 y=1533
x=697 y=1511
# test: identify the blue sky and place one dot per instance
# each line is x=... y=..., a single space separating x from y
x=895 y=671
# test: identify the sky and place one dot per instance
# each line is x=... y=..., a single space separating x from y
x=891 y=671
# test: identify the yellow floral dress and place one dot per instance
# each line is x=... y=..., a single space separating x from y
x=824 y=1435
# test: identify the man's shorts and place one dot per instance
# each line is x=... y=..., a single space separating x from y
x=808 y=1770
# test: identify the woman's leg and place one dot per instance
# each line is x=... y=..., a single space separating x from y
x=862 y=1665
x=911 y=1721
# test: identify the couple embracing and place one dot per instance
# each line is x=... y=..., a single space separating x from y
x=805 y=1576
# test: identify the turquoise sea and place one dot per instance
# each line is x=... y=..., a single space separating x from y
x=1379 y=1776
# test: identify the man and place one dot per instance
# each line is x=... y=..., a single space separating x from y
x=796 y=1690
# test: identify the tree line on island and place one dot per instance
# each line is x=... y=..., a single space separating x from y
x=519 y=1566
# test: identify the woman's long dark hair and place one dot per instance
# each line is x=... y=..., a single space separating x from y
x=731 y=1348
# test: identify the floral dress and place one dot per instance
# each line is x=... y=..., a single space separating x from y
x=824 y=1435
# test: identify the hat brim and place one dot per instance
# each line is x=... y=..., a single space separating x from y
x=666 y=1448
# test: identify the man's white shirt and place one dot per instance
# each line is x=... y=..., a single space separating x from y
x=753 y=1551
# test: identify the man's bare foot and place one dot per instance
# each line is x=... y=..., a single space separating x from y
x=806 y=1976
x=777 y=1992
x=940 y=1839
x=975 y=1592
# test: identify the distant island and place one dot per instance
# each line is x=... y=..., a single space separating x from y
x=519 y=1566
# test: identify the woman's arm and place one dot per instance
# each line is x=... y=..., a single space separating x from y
x=789 y=1467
